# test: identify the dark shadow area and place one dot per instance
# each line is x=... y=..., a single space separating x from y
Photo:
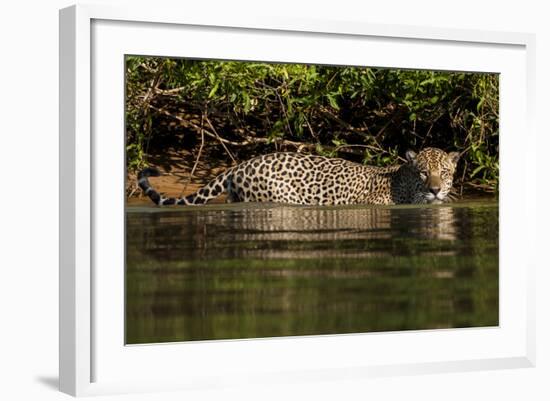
x=51 y=382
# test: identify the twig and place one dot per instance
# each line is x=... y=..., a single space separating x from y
x=484 y=187
x=219 y=138
x=284 y=112
x=428 y=134
x=147 y=101
x=170 y=91
x=343 y=123
x=377 y=148
x=196 y=160
x=188 y=123
x=381 y=130
x=132 y=192
x=463 y=176
x=311 y=129
x=331 y=79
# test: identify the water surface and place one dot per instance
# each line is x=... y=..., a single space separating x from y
x=263 y=270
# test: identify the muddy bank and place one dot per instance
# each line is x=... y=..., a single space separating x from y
x=181 y=175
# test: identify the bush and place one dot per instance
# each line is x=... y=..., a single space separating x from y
x=371 y=115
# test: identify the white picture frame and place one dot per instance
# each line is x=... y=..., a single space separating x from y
x=92 y=354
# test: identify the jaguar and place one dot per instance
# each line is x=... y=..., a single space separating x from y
x=301 y=179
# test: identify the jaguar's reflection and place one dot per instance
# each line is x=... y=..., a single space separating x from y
x=294 y=232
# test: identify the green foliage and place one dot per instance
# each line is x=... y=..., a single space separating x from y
x=371 y=115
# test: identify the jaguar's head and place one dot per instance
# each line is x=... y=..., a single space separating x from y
x=435 y=169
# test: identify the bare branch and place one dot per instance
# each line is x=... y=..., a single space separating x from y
x=219 y=138
x=249 y=140
x=196 y=161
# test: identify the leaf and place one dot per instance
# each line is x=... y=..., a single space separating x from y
x=247 y=102
x=477 y=170
x=213 y=90
x=333 y=102
x=285 y=73
x=480 y=104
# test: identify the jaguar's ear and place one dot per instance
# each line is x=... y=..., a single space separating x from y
x=453 y=157
x=411 y=156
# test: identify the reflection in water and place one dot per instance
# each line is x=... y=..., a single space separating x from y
x=235 y=271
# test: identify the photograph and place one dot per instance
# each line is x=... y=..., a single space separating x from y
x=267 y=199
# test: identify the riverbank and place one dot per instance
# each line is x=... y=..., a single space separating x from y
x=181 y=174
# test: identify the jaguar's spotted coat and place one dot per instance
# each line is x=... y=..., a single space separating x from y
x=295 y=178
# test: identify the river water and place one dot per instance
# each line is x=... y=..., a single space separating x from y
x=262 y=270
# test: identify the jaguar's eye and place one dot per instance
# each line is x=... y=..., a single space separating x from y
x=423 y=175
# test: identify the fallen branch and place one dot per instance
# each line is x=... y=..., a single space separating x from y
x=376 y=148
x=251 y=140
x=247 y=141
x=483 y=187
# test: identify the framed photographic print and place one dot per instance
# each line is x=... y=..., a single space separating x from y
x=280 y=200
